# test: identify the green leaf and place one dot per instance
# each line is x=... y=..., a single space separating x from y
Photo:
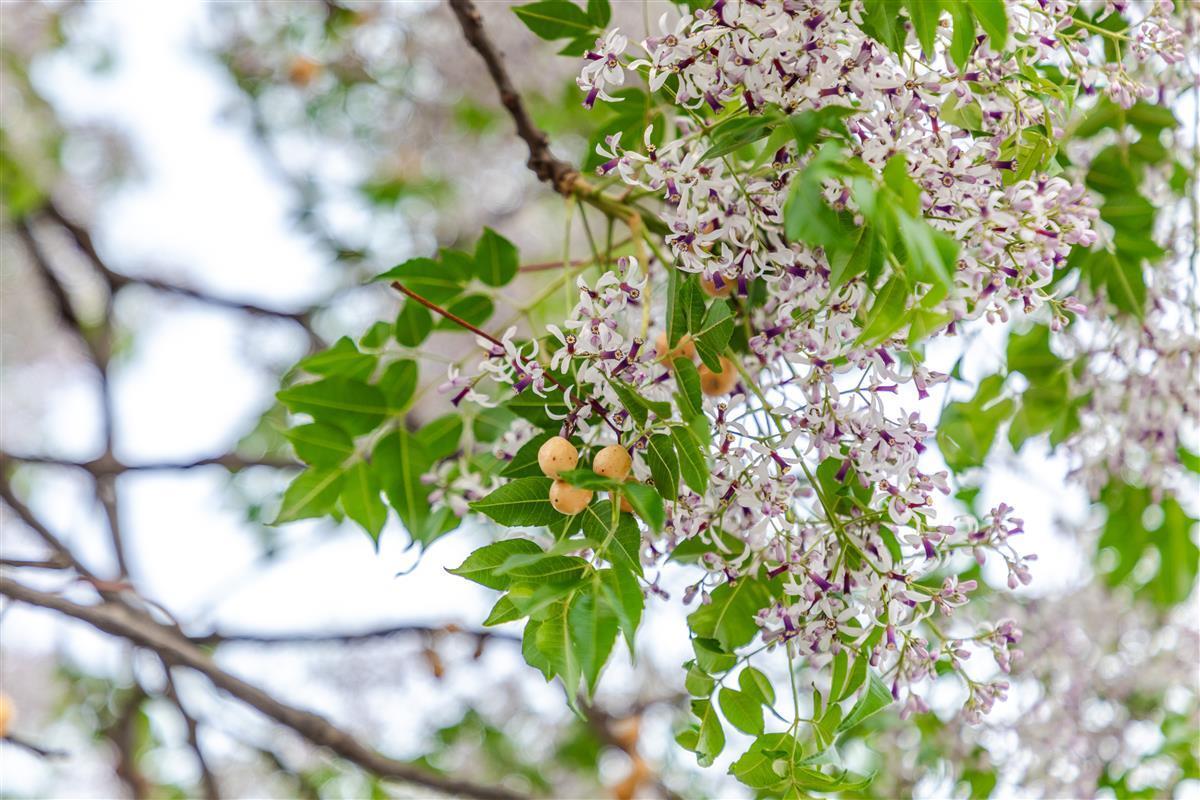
x=711 y=657
x=963 y=42
x=711 y=740
x=343 y=358
x=924 y=17
x=875 y=698
x=624 y=596
x=473 y=308
x=426 y=277
x=599 y=12
x=623 y=546
x=496 y=259
x=729 y=617
x=647 y=504
x=712 y=337
x=312 y=493
x=664 y=467
x=520 y=502
x=994 y=21
x=352 y=405
x=544 y=568
x=320 y=444
x=756 y=767
x=554 y=19
x=482 y=565
x=553 y=641
x=376 y=336
x=593 y=630
x=413 y=324
x=887 y=314
x=692 y=461
x=685 y=305
x=734 y=134
x=504 y=611
x=743 y=712
x=967 y=429
x=587 y=479
x=688 y=398
x=440 y=437
x=398 y=383
x=529 y=649
x=697 y=682
x=757 y=686
x=361 y=500
x=399 y=461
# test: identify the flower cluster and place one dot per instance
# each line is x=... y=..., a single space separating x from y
x=818 y=471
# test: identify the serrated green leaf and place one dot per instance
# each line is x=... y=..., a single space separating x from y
x=647 y=504
x=729 y=617
x=664 y=465
x=742 y=711
x=520 y=502
x=312 y=493
x=481 y=566
x=342 y=358
x=360 y=496
x=593 y=630
x=351 y=405
x=693 y=464
x=398 y=384
x=875 y=698
x=496 y=259
x=712 y=336
x=413 y=324
x=320 y=444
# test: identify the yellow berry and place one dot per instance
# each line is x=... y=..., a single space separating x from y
x=568 y=499
x=6 y=713
x=684 y=348
x=710 y=287
x=718 y=383
x=613 y=462
x=557 y=455
x=302 y=71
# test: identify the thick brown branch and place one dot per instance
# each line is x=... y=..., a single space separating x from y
x=108 y=465
x=169 y=645
x=116 y=280
x=557 y=173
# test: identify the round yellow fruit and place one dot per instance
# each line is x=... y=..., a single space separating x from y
x=718 y=383
x=568 y=499
x=684 y=348
x=710 y=287
x=613 y=462
x=557 y=455
x=6 y=713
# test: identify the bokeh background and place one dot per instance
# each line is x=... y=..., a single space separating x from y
x=212 y=186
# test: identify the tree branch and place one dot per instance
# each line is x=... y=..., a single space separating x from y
x=116 y=280
x=169 y=645
x=557 y=173
x=207 y=779
x=565 y=179
x=351 y=637
x=109 y=465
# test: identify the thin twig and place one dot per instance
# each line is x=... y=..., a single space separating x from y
x=30 y=519
x=37 y=750
x=352 y=637
x=207 y=779
x=143 y=631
